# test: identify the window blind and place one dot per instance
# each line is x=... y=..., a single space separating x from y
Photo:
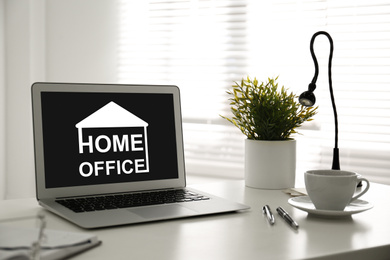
x=363 y=76
x=360 y=72
x=203 y=46
x=200 y=46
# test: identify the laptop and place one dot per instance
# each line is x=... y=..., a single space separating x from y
x=112 y=154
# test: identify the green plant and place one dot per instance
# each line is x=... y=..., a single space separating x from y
x=262 y=112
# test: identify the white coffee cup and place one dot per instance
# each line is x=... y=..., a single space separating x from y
x=333 y=189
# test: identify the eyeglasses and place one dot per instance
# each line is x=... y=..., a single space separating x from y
x=34 y=251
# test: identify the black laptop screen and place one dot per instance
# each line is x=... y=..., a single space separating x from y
x=99 y=138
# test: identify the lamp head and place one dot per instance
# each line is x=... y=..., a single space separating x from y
x=308 y=98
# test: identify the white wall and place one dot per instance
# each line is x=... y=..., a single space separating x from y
x=81 y=39
x=46 y=40
x=18 y=76
x=2 y=102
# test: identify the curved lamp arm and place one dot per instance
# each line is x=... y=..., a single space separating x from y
x=307 y=98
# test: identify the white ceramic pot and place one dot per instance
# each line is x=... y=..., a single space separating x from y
x=270 y=164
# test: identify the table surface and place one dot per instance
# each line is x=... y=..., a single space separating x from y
x=239 y=235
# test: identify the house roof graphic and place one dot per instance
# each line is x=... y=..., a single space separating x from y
x=109 y=116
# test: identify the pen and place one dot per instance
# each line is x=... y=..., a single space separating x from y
x=287 y=217
x=268 y=213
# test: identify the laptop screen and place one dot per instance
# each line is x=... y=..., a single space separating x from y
x=107 y=137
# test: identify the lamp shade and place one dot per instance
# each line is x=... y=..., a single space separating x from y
x=307 y=99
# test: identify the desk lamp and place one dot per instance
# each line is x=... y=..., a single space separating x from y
x=308 y=99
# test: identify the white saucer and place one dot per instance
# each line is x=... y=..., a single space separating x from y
x=304 y=203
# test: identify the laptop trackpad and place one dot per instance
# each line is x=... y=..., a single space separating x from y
x=161 y=212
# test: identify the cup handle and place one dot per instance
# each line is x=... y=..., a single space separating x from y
x=365 y=189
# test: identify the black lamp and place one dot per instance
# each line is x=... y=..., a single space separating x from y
x=308 y=99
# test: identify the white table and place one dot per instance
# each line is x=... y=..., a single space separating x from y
x=245 y=235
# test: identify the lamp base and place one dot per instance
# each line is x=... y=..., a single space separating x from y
x=336 y=160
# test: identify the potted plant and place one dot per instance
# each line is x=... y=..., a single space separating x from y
x=268 y=115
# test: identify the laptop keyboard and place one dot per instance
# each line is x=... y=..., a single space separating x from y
x=130 y=200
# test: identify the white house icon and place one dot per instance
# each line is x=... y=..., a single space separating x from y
x=111 y=115
x=114 y=116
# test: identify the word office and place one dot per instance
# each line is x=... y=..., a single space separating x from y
x=115 y=142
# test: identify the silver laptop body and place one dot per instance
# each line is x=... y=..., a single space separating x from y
x=104 y=140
